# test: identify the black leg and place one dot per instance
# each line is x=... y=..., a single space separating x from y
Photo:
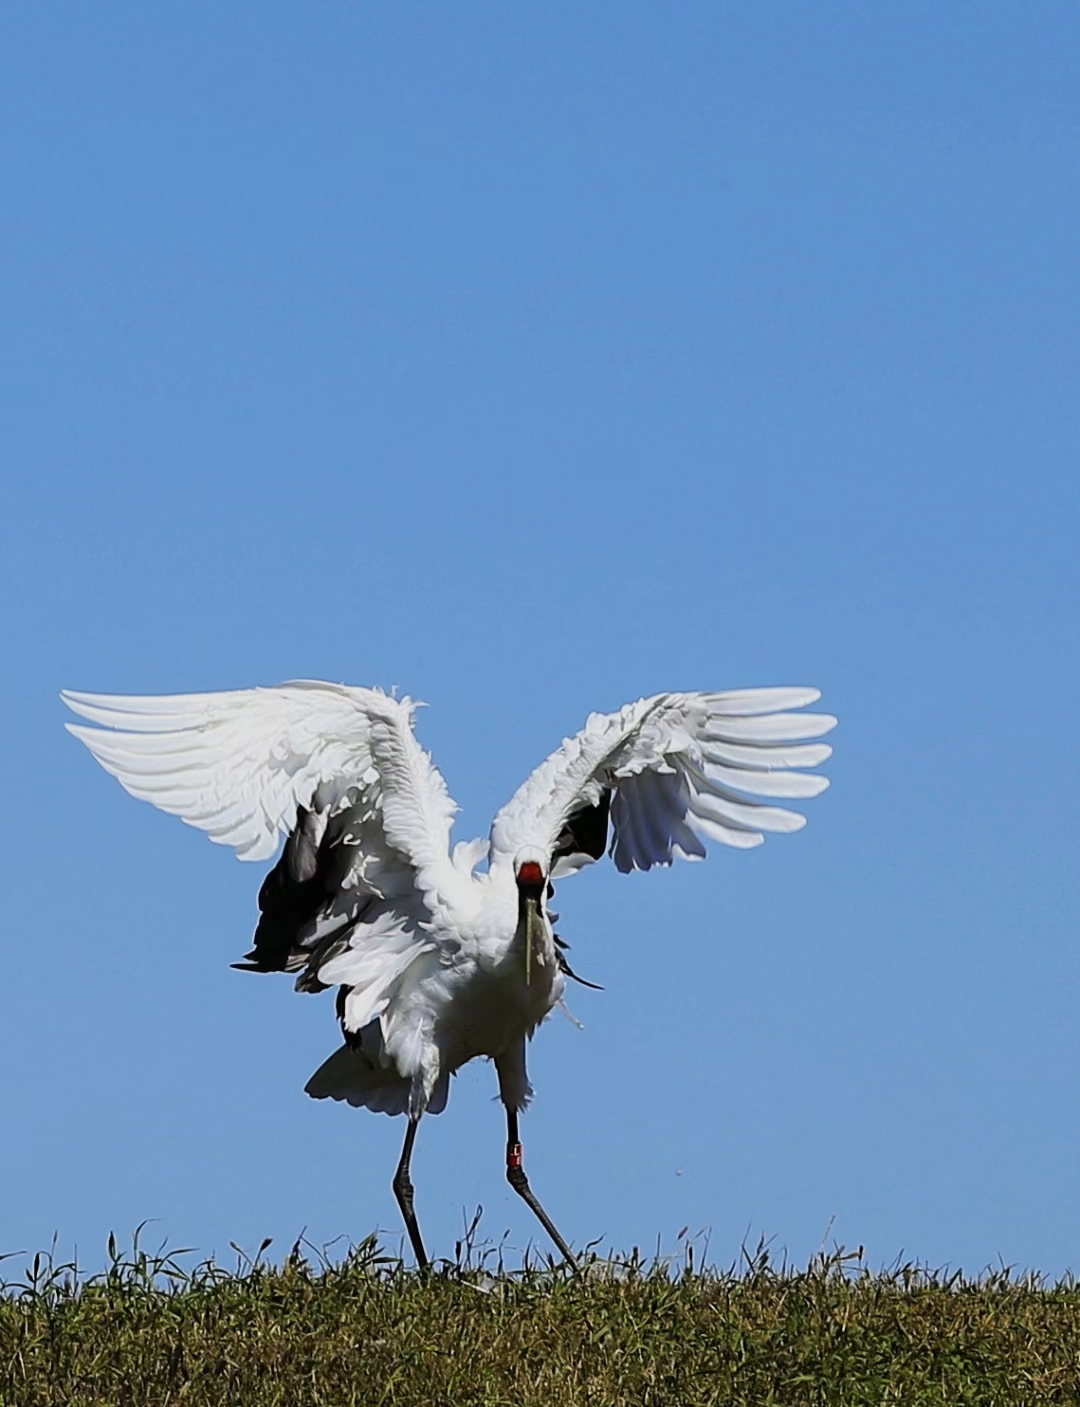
x=403 y=1191
x=515 y=1176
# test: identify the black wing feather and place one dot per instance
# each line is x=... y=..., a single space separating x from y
x=306 y=885
x=585 y=831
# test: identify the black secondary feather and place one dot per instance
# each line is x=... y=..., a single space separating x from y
x=585 y=831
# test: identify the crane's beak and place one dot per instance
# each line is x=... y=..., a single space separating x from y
x=530 y=911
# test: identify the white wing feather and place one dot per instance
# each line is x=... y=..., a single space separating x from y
x=679 y=769
x=238 y=764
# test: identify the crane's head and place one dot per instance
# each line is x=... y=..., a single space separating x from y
x=530 y=869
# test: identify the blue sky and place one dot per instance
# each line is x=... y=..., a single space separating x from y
x=532 y=358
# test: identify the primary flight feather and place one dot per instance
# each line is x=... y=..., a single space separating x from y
x=435 y=960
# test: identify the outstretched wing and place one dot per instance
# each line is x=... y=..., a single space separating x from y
x=668 y=773
x=238 y=765
x=338 y=771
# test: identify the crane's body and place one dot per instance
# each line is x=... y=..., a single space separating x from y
x=436 y=960
x=488 y=976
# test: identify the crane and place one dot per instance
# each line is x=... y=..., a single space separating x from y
x=437 y=956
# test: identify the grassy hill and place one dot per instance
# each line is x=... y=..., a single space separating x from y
x=366 y=1331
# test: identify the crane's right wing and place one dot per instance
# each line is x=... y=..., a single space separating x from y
x=338 y=771
x=238 y=764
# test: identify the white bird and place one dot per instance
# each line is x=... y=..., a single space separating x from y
x=435 y=960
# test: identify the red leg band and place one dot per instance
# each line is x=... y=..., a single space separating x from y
x=513 y=1155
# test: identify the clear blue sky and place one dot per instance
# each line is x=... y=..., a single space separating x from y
x=532 y=358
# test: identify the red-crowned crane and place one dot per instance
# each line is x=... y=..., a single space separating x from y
x=435 y=960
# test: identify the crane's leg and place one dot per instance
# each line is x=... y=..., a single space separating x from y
x=403 y=1191
x=515 y=1176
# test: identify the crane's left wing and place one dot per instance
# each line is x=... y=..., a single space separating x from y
x=665 y=774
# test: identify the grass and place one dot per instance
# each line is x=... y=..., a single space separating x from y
x=151 y=1331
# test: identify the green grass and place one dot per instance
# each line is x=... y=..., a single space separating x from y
x=148 y=1331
